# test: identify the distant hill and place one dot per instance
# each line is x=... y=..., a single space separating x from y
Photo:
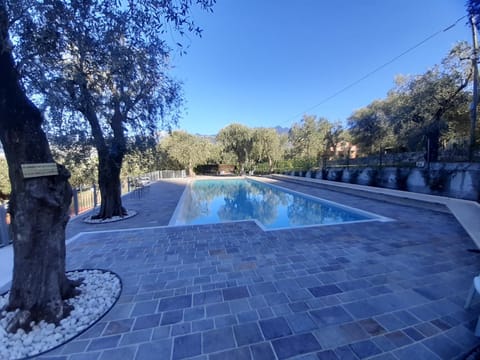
x=282 y=130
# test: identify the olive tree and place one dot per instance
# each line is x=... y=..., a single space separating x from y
x=108 y=62
x=237 y=139
x=187 y=149
x=38 y=205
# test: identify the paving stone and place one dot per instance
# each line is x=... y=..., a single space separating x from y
x=247 y=316
x=442 y=346
x=217 y=309
x=295 y=345
x=345 y=353
x=118 y=327
x=327 y=355
x=175 y=303
x=85 y=356
x=413 y=334
x=171 y=317
x=235 y=354
x=146 y=321
x=181 y=329
x=247 y=334
x=364 y=349
x=298 y=306
x=262 y=351
x=94 y=332
x=301 y=322
x=160 y=349
x=265 y=313
x=325 y=290
x=276 y=299
x=145 y=307
x=415 y=351
x=281 y=310
x=161 y=332
x=224 y=321
x=427 y=329
x=257 y=302
x=202 y=325
x=136 y=337
x=330 y=316
x=389 y=322
x=274 y=328
x=106 y=342
x=372 y=327
x=207 y=297
x=195 y=313
x=217 y=340
x=187 y=346
x=262 y=288
x=398 y=338
x=122 y=353
x=72 y=347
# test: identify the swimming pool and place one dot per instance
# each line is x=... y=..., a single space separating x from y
x=217 y=201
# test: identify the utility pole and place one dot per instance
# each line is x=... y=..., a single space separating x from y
x=473 y=108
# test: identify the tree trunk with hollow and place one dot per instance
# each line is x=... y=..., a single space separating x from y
x=38 y=207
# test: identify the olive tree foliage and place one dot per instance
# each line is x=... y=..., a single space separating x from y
x=237 y=139
x=370 y=129
x=421 y=111
x=314 y=138
x=268 y=146
x=5 y=187
x=188 y=150
x=78 y=155
x=108 y=61
x=141 y=157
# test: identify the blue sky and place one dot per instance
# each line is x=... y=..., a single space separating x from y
x=268 y=62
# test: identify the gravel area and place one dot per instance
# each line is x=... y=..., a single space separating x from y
x=99 y=291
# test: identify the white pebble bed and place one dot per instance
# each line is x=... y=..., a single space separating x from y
x=99 y=291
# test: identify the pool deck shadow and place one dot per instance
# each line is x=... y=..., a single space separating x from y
x=376 y=290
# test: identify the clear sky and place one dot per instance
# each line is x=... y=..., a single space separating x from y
x=264 y=63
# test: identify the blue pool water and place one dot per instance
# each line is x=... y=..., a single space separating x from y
x=216 y=201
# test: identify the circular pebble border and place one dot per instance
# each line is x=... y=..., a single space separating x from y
x=100 y=291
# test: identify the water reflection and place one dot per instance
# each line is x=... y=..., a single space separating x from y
x=213 y=201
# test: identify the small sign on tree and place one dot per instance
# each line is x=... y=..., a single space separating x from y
x=39 y=170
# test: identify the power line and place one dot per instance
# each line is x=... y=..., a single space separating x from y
x=342 y=90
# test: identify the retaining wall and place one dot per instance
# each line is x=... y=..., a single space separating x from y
x=458 y=180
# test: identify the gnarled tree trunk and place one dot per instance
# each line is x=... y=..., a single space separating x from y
x=38 y=206
x=109 y=168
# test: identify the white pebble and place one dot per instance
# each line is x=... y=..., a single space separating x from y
x=98 y=292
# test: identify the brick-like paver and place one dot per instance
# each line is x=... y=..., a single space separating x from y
x=379 y=290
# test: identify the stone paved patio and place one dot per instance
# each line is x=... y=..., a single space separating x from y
x=392 y=290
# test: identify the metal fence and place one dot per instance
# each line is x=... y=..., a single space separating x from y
x=84 y=200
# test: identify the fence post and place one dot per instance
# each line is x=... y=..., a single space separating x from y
x=75 y=201
x=95 y=200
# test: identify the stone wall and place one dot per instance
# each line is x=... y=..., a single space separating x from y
x=458 y=180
